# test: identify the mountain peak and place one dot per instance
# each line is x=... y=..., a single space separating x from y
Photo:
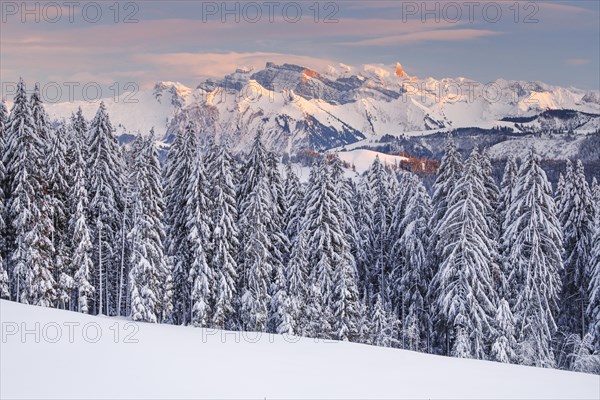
x=400 y=73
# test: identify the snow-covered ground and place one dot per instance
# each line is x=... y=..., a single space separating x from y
x=80 y=356
x=363 y=159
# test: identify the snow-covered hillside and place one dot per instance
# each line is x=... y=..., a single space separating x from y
x=298 y=107
x=362 y=159
x=76 y=356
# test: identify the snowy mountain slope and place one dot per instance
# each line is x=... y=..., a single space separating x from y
x=553 y=120
x=362 y=159
x=297 y=107
x=81 y=356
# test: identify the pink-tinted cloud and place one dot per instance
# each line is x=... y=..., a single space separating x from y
x=442 y=35
x=578 y=61
x=170 y=66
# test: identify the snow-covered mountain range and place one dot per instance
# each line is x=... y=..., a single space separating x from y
x=297 y=107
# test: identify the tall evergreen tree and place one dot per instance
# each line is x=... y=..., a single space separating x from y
x=4 y=284
x=80 y=246
x=363 y=217
x=186 y=192
x=509 y=182
x=533 y=243
x=466 y=298
x=224 y=239
x=256 y=259
x=593 y=309
x=297 y=284
x=450 y=170
x=105 y=182
x=578 y=229
x=294 y=198
x=505 y=347
x=58 y=185
x=333 y=269
x=380 y=201
x=149 y=271
x=492 y=193
x=29 y=211
x=412 y=274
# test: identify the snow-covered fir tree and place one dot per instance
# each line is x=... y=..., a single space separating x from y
x=593 y=308
x=294 y=199
x=58 y=185
x=466 y=297
x=279 y=239
x=509 y=181
x=578 y=230
x=80 y=245
x=507 y=188
x=224 y=240
x=187 y=205
x=280 y=311
x=363 y=217
x=256 y=260
x=329 y=257
x=149 y=271
x=533 y=247
x=492 y=193
x=412 y=274
x=380 y=202
x=596 y=197
x=105 y=184
x=29 y=211
x=344 y=190
x=450 y=170
x=40 y=118
x=297 y=280
x=4 y=284
x=504 y=348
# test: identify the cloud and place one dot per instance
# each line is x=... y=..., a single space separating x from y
x=441 y=35
x=197 y=66
x=578 y=61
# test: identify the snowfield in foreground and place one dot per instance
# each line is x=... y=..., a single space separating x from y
x=81 y=356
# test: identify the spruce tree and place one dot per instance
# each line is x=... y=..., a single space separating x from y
x=380 y=201
x=504 y=348
x=58 y=185
x=187 y=205
x=450 y=170
x=80 y=245
x=256 y=259
x=578 y=229
x=593 y=309
x=294 y=198
x=333 y=269
x=533 y=247
x=105 y=182
x=4 y=284
x=224 y=239
x=297 y=279
x=466 y=297
x=149 y=271
x=29 y=210
x=201 y=281
x=363 y=217
x=412 y=274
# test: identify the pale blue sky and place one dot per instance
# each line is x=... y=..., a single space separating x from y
x=177 y=41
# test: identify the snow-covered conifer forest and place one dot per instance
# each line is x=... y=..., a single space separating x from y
x=474 y=268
